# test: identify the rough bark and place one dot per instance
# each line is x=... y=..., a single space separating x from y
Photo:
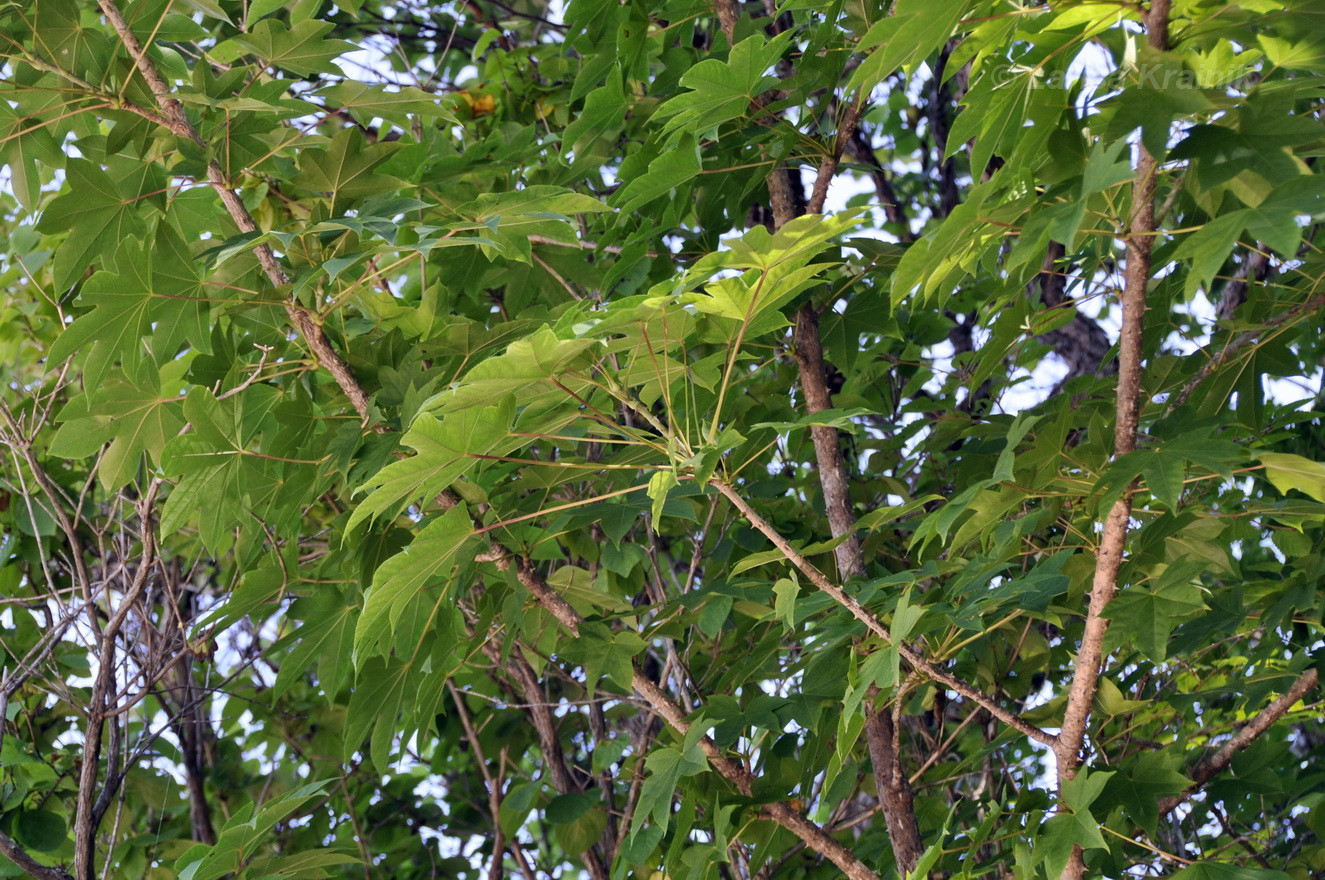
x=896 y=800
x=1113 y=541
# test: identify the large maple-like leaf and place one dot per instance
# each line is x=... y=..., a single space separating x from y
x=97 y=212
x=301 y=49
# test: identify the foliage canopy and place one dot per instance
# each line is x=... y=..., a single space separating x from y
x=661 y=438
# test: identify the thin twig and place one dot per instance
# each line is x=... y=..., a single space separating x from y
x=876 y=626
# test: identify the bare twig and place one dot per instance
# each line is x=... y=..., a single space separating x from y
x=86 y=817
x=494 y=787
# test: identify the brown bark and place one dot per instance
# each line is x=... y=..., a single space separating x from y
x=1254 y=269
x=1245 y=736
x=896 y=801
x=1113 y=541
x=833 y=479
x=10 y=849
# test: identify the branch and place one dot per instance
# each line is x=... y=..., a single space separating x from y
x=1081 y=343
x=493 y=786
x=18 y=441
x=1113 y=541
x=845 y=130
x=831 y=465
x=86 y=817
x=1255 y=268
x=1246 y=735
x=896 y=800
x=1236 y=344
x=540 y=715
x=33 y=868
x=876 y=626
x=814 y=837
x=177 y=121
x=862 y=151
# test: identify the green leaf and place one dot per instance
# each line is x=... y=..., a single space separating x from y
x=1294 y=54
x=302 y=49
x=721 y=91
x=576 y=837
x=325 y=636
x=912 y=30
x=394 y=105
x=1288 y=472
x=41 y=830
x=121 y=311
x=344 y=169
x=601 y=651
x=784 y=606
x=660 y=484
x=447 y=449
x=25 y=146
x=515 y=806
x=1141 y=785
x=566 y=808
x=531 y=368
x=1149 y=613
x=842 y=419
x=666 y=766
x=677 y=165
x=97 y=213
x=142 y=419
x=1164 y=475
x=432 y=555
x=375 y=705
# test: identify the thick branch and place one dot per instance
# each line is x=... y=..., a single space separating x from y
x=1246 y=735
x=896 y=800
x=876 y=626
x=862 y=151
x=1081 y=343
x=1254 y=269
x=179 y=123
x=1109 y=554
x=827 y=446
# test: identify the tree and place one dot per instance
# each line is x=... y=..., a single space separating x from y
x=687 y=439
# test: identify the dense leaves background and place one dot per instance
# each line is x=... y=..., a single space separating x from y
x=454 y=439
